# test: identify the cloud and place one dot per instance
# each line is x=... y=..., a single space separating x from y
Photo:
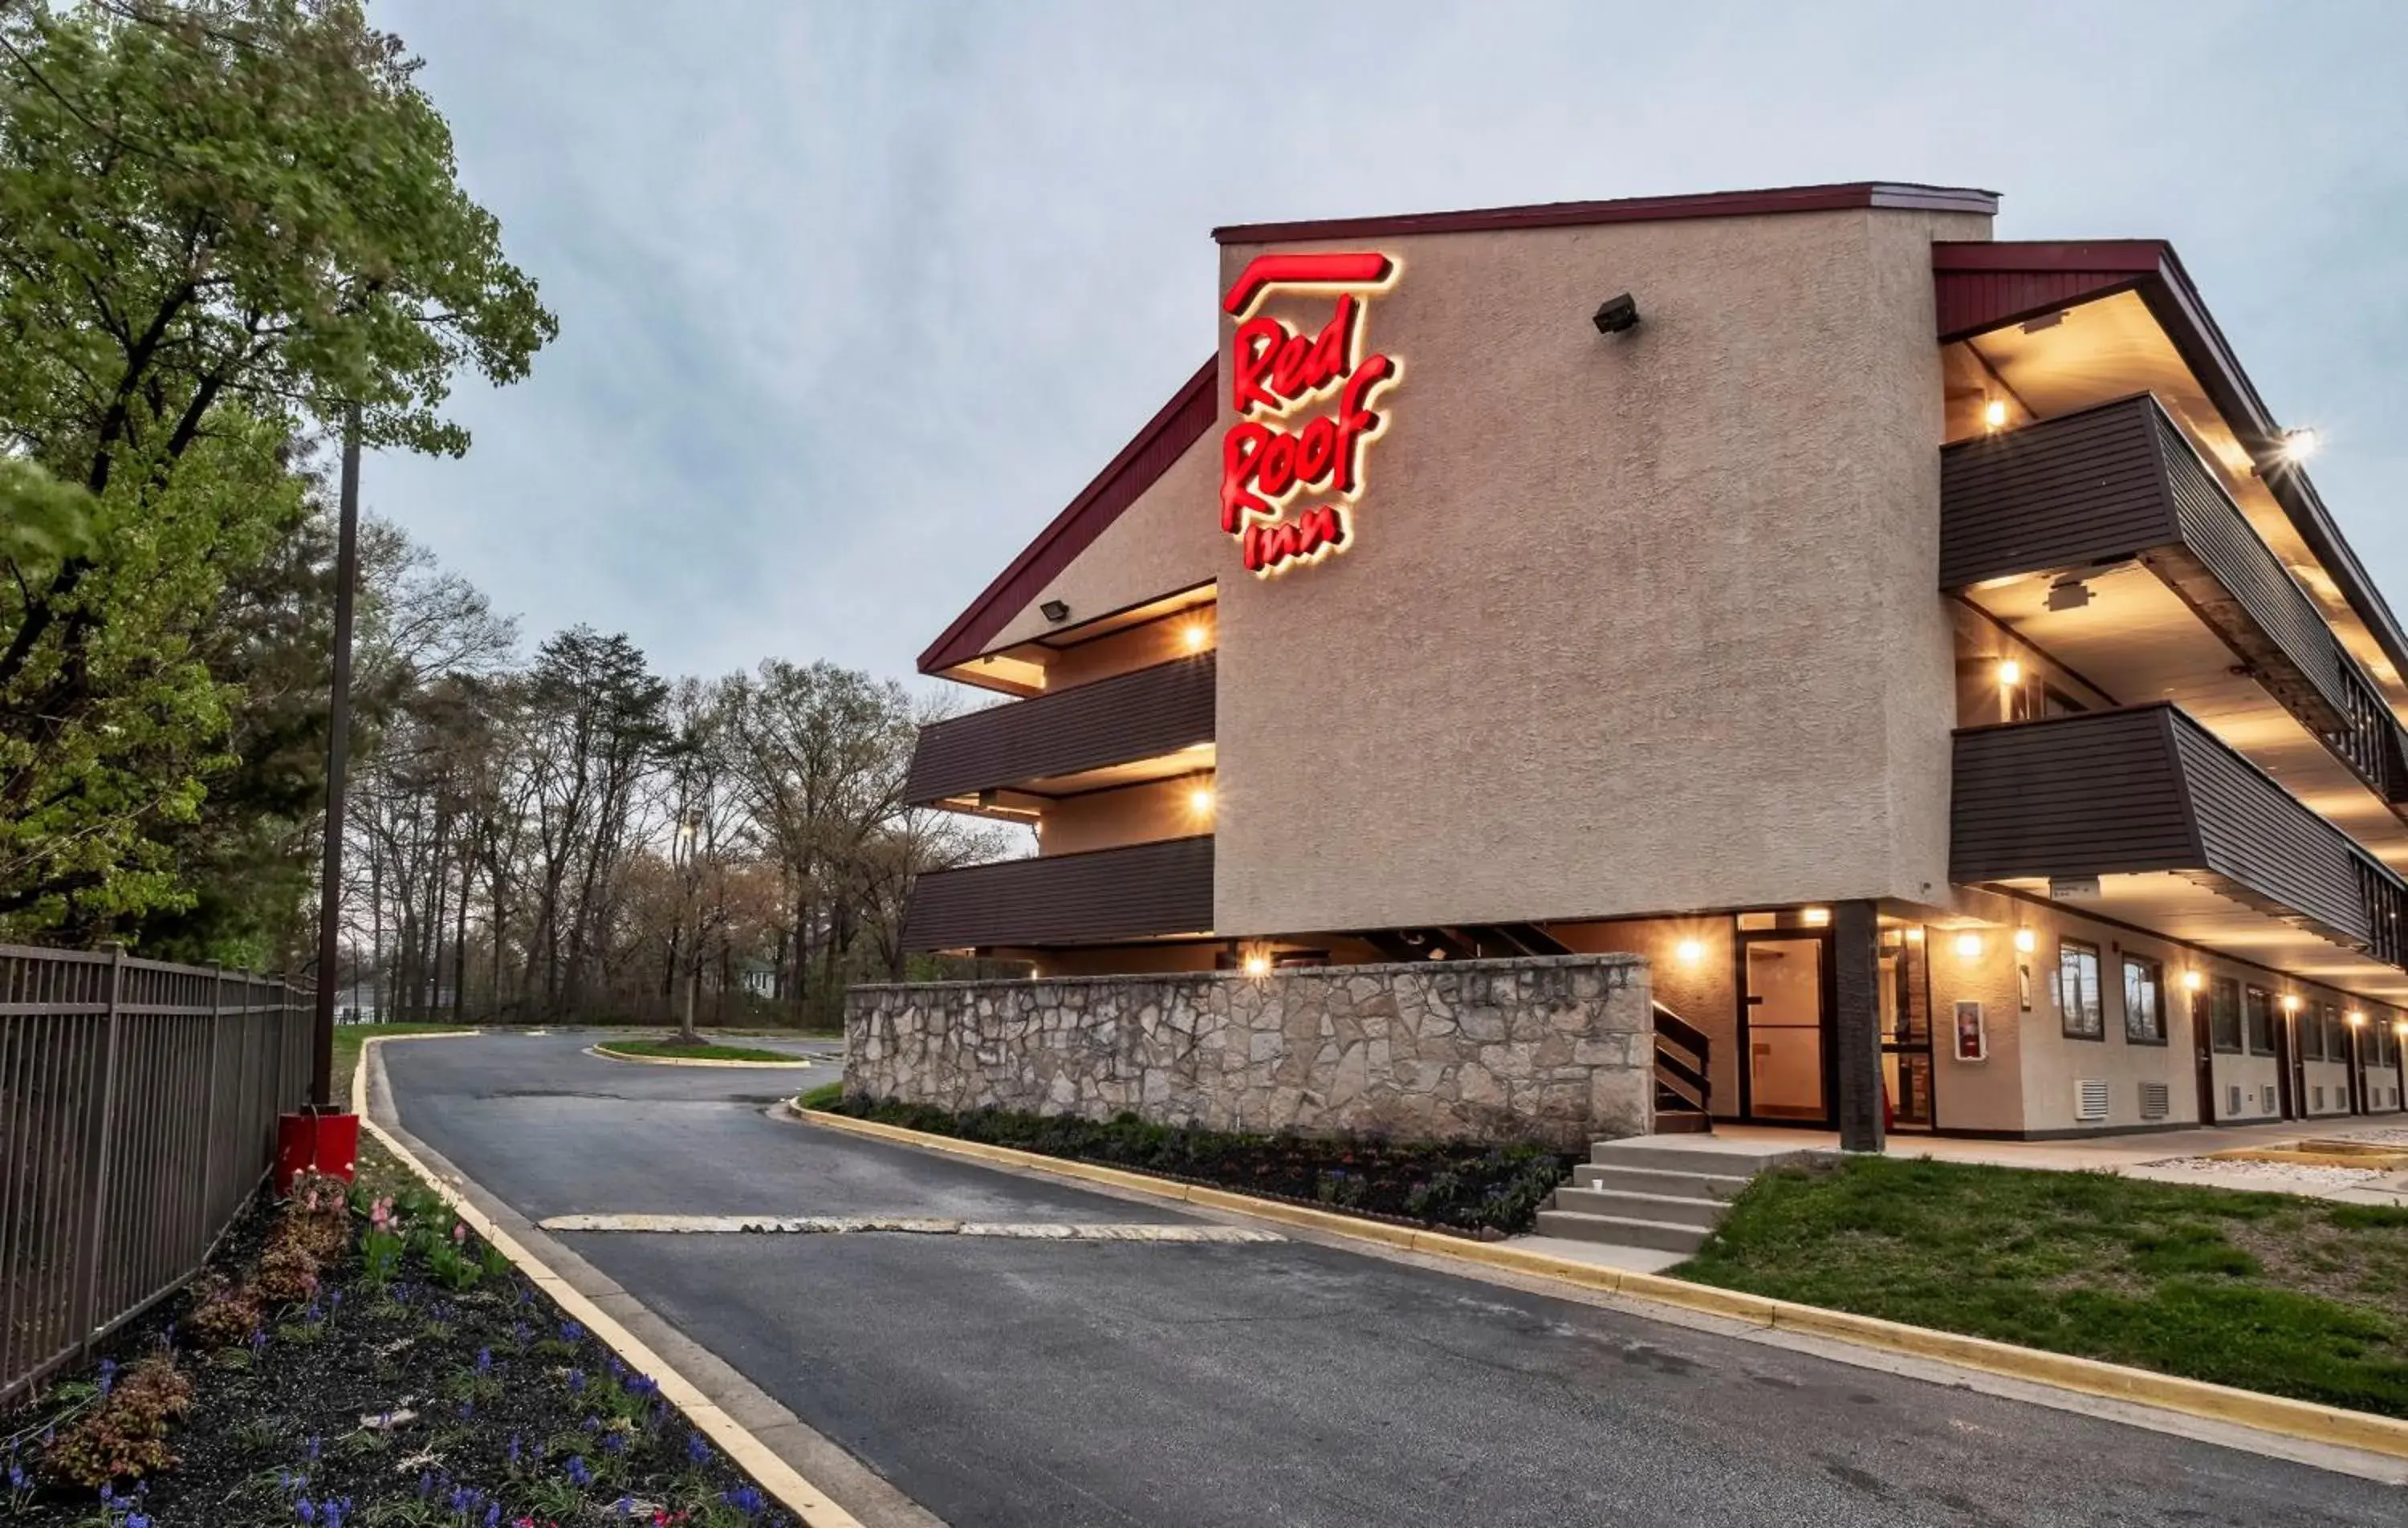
x=854 y=298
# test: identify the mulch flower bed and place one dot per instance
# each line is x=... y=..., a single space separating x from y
x=354 y=1359
x=1465 y=1187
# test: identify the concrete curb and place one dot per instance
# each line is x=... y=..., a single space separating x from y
x=599 y=1049
x=811 y=1505
x=2307 y=1421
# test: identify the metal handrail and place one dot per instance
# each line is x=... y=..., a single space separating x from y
x=1687 y=1079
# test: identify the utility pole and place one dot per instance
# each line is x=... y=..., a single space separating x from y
x=338 y=727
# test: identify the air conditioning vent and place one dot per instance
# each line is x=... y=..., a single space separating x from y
x=2152 y=1101
x=2320 y=1096
x=2232 y=1104
x=2273 y=1102
x=2090 y=1098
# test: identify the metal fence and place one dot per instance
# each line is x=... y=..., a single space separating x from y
x=137 y=1112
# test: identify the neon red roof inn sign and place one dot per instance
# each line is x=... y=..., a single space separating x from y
x=1292 y=466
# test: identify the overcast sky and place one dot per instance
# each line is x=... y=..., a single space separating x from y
x=854 y=297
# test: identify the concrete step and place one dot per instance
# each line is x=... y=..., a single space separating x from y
x=1642 y=1206
x=1656 y=1180
x=1671 y=1155
x=1619 y=1231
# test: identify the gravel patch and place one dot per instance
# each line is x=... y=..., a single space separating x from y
x=2303 y=1174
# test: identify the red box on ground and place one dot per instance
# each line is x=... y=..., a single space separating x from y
x=313 y=1142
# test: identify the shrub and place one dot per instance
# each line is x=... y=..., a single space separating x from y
x=288 y=1275
x=223 y=1314
x=316 y=1216
x=125 y=1436
x=1460 y=1185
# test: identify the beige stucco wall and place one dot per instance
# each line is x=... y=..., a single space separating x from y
x=1628 y=625
x=1168 y=540
x=1132 y=814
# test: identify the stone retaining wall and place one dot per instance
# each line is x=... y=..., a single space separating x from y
x=1554 y=1047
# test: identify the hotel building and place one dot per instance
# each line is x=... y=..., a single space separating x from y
x=1927 y=650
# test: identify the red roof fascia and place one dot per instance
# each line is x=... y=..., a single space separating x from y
x=1179 y=425
x=1989 y=285
x=1719 y=204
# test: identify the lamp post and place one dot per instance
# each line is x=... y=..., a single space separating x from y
x=687 y=875
x=322 y=1137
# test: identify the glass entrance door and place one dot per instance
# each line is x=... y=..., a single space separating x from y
x=1783 y=998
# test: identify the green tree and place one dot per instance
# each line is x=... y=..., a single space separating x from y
x=225 y=227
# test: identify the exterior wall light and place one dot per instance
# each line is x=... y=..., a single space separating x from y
x=2011 y=673
x=1818 y=917
x=1689 y=952
x=1616 y=315
x=2026 y=941
x=1199 y=801
x=1055 y=612
x=2290 y=1002
x=2193 y=981
x=2297 y=446
x=1968 y=945
x=1196 y=636
x=1994 y=414
x=1257 y=964
x=2356 y=1017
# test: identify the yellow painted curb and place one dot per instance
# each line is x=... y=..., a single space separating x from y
x=601 y=1048
x=809 y=1505
x=2325 y=1424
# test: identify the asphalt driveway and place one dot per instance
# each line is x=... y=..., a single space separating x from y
x=1049 y=1383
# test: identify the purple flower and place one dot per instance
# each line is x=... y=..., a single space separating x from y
x=304 y=1511
x=614 y=1443
x=579 y=1475
x=696 y=1451
x=514 y=1450
x=107 y=1375
x=571 y=1332
x=309 y=1449
x=745 y=1499
x=577 y=1381
x=484 y=1361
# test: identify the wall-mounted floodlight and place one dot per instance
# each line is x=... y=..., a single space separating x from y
x=1055 y=612
x=1616 y=315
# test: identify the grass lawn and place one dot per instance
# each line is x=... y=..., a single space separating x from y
x=2267 y=1291
x=673 y=1051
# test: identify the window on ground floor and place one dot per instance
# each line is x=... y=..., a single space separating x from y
x=2144 y=1001
x=2077 y=990
x=2257 y=1008
x=2311 y=1035
x=2224 y=1014
x=2336 y=1034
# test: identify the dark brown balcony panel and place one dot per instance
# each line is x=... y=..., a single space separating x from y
x=1146 y=714
x=2147 y=789
x=1138 y=891
x=2121 y=483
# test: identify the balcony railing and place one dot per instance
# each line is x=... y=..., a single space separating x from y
x=1145 y=714
x=2121 y=483
x=2146 y=788
x=1142 y=891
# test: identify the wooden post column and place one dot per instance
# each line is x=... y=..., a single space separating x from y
x=1855 y=961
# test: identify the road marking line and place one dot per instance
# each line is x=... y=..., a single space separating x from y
x=911 y=1225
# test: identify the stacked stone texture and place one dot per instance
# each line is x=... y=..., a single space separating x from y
x=1554 y=1047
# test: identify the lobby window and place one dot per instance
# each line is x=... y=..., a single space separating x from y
x=2224 y=1014
x=2336 y=1035
x=2311 y=1035
x=2144 y=1001
x=2257 y=1010
x=2077 y=990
